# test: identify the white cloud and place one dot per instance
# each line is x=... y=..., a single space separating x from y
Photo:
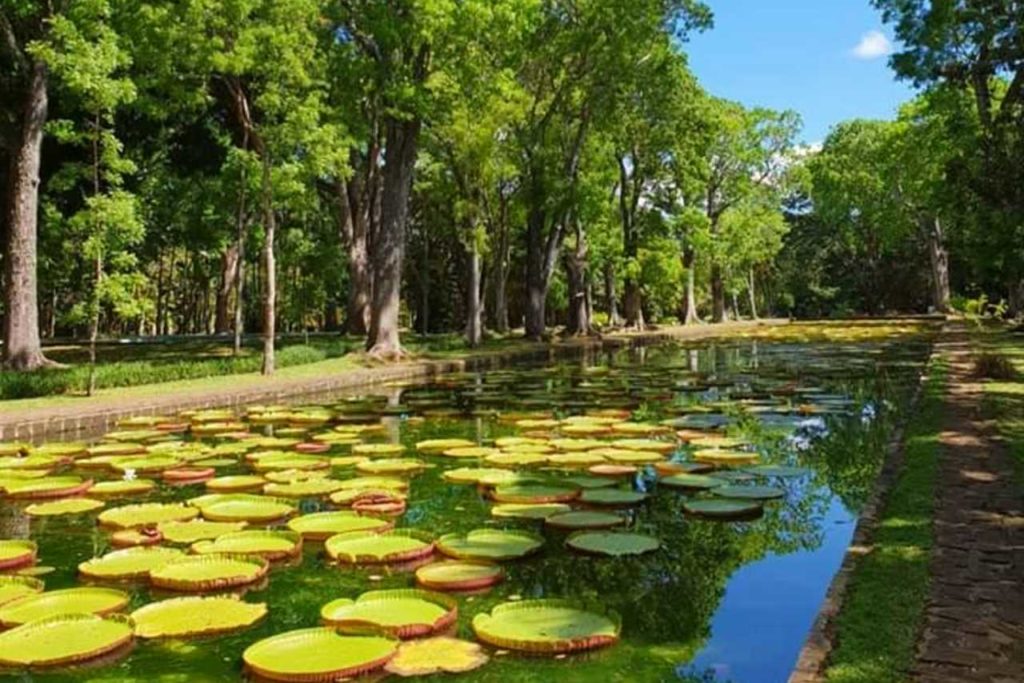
x=872 y=45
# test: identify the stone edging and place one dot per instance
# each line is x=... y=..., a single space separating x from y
x=817 y=649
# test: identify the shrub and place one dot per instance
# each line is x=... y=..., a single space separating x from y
x=994 y=366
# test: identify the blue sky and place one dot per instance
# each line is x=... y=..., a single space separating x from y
x=826 y=59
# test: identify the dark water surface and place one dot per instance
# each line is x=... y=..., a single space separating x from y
x=720 y=601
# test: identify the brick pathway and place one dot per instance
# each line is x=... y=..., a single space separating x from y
x=974 y=618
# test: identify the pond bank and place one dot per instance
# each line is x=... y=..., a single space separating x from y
x=78 y=417
x=930 y=589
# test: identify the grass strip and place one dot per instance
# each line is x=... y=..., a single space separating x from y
x=884 y=605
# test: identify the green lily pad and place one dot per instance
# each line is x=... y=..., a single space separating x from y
x=129 y=563
x=236 y=483
x=317 y=654
x=584 y=481
x=13 y=587
x=392 y=466
x=16 y=552
x=196 y=530
x=92 y=600
x=691 y=481
x=585 y=519
x=778 y=471
x=471 y=475
x=121 y=487
x=66 y=506
x=242 y=507
x=436 y=655
x=723 y=508
x=749 y=492
x=490 y=544
x=612 y=543
x=612 y=497
x=459 y=575
x=195 y=616
x=273 y=545
x=48 y=487
x=310 y=488
x=209 y=572
x=528 y=510
x=399 y=545
x=440 y=445
x=63 y=640
x=535 y=493
x=146 y=514
x=323 y=525
x=404 y=613
x=548 y=626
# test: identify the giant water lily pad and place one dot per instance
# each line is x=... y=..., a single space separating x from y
x=612 y=497
x=612 y=543
x=399 y=545
x=129 y=563
x=236 y=483
x=121 y=487
x=209 y=572
x=317 y=654
x=195 y=616
x=549 y=626
x=310 y=488
x=691 y=481
x=196 y=530
x=16 y=553
x=436 y=655
x=392 y=466
x=470 y=452
x=535 y=493
x=528 y=510
x=490 y=544
x=726 y=457
x=244 y=508
x=516 y=459
x=471 y=475
x=778 y=471
x=378 y=449
x=723 y=508
x=48 y=487
x=749 y=492
x=441 y=445
x=459 y=575
x=653 y=445
x=146 y=514
x=13 y=587
x=92 y=600
x=273 y=545
x=63 y=640
x=585 y=519
x=404 y=613
x=66 y=506
x=322 y=525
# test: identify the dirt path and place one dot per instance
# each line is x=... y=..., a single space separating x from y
x=974 y=618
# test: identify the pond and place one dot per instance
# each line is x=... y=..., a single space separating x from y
x=718 y=599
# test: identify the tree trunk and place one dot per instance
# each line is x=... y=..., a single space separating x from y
x=718 y=313
x=228 y=266
x=611 y=303
x=1015 y=300
x=629 y=197
x=578 y=316
x=632 y=304
x=239 y=326
x=500 y=270
x=690 y=305
x=752 y=294
x=270 y=268
x=474 y=312
x=357 y=307
x=22 y=347
x=536 y=283
x=939 y=259
x=389 y=245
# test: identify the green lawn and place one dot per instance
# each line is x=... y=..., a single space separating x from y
x=1004 y=398
x=884 y=605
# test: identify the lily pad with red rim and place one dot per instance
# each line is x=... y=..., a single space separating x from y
x=63 y=640
x=612 y=497
x=196 y=530
x=16 y=553
x=490 y=544
x=146 y=514
x=459 y=575
x=129 y=563
x=317 y=654
x=209 y=572
x=359 y=547
x=691 y=481
x=528 y=510
x=89 y=600
x=436 y=655
x=585 y=519
x=13 y=587
x=323 y=525
x=612 y=543
x=65 y=506
x=195 y=616
x=547 y=626
x=403 y=613
x=272 y=545
x=535 y=493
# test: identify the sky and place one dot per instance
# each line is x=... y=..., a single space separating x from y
x=826 y=59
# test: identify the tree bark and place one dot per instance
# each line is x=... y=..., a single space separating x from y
x=611 y=303
x=270 y=270
x=718 y=312
x=690 y=316
x=939 y=259
x=629 y=197
x=228 y=266
x=575 y=261
x=474 y=310
x=388 y=249
x=22 y=347
x=500 y=268
x=752 y=294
